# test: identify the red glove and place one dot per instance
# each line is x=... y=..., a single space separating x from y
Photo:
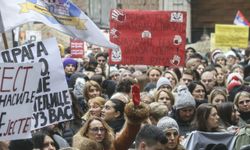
x=136 y=94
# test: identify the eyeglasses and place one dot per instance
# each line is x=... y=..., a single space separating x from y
x=96 y=130
x=243 y=102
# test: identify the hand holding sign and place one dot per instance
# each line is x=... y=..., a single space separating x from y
x=136 y=94
x=118 y=15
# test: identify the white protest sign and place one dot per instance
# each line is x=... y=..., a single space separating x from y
x=53 y=101
x=18 y=84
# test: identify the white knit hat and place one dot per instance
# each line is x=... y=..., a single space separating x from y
x=163 y=81
x=183 y=98
x=167 y=123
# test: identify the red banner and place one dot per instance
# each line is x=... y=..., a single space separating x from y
x=148 y=37
x=76 y=48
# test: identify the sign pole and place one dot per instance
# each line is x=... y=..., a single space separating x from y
x=5 y=41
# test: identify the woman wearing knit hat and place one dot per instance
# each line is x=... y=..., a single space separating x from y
x=70 y=66
x=171 y=129
x=184 y=109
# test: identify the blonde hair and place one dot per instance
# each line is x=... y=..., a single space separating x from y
x=215 y=92
x=87 y=87
x=240 y=94
x=98 y=100
x=109 y=136
x=171 y=96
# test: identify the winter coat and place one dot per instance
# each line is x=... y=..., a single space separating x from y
x=135 y=115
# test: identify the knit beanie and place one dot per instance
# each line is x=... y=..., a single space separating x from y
x=68 y=61
x=167 y=123
x=219 y=55
x=113 y=71
x=162 y=81
x=214 y=53
x=230 y=53
x=183 y=98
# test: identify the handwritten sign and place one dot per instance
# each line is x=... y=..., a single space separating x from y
x=148 y=37
x=231 y=36
x=53 y=102
x=18 y=84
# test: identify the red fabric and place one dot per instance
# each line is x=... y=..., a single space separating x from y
x=233 y=84
x=136 y=94
x=148 y=37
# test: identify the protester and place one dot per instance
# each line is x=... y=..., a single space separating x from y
x=242 y=101
x=70 y=66
x=97 y=135
x=113 y=114
x=198 y=91
x=217 y=96
x=165 y=97
x=43 y=141
x=150 y=138
x=171 y=129
x=206 y=118
x=91 y=90
x=229 y=116
x=172 y=77
x=157 y=111
x=184 y=110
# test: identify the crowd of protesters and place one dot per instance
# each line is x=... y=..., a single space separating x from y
x=206 y=101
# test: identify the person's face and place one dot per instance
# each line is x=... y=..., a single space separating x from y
x=165 y=99
x=48 y=143
x=116 y=77
x=199 y=92
x=69 y=69
x=98 y=70
x=101 y=60
x=189 y=52
x=235 y=117
x=200 y=69
x=94 y=92
x=170 y=78
x=144 y=146
x=186 y=79
x=108 y=111
x=244 y=103
x=154 y=75
x=186 y=114
x=231 y=60
x=218 y=99
x=207 y=78
x=240 y=71
x=126 y=75
x=173 y=138
x=96 y=131
x=94 y=109
x=220 y=77
x=213 y=119
x=193 y=63
x=221 y=61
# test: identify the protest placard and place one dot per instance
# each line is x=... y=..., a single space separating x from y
x=18 y=84
x=231 y=36
x=76 y=48
x=53 y=101
x=148 y=37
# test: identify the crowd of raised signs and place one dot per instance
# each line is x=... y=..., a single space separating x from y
x=202 y=105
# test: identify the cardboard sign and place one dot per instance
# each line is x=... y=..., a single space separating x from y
x=18 y=84
x=148 y=37
x=76 y=48
x=231 y=36
x=53 y=102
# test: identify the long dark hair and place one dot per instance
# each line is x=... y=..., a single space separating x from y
x=119 y=106
x=38 y=140
x=225 y=112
